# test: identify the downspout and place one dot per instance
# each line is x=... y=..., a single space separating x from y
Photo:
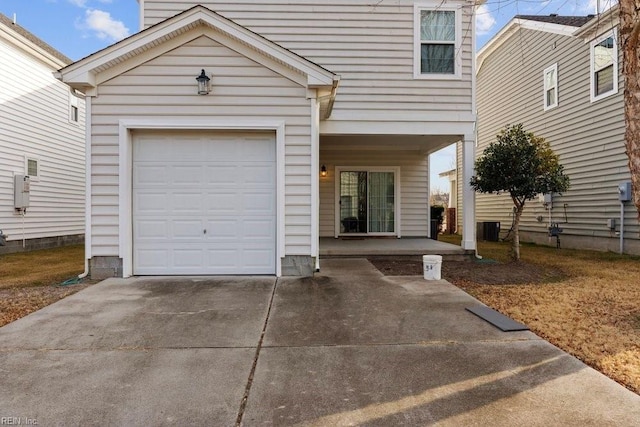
x=474 y=111
x=87 y=189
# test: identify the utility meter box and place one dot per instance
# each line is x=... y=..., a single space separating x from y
x=22 y=188
x=624 y=191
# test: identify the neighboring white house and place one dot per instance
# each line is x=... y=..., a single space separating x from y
x=319 y=121
x=42 y=136
x=560 y=77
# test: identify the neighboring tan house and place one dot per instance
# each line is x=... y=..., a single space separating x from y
x=560 y=77
x=319 y=121
x=42 y=137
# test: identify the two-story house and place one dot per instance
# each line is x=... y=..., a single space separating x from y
x=228 y=137
x=42 y=146
x=560 y=76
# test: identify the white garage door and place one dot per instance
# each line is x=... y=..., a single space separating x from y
x=204 y=203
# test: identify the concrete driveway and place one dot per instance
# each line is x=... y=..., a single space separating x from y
x=348 y=347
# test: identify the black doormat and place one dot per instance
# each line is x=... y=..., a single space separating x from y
x=497 y=319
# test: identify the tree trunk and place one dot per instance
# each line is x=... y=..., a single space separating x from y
x=515 y=244
x=629 y=35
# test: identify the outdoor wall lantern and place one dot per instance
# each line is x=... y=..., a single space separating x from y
x=204 y=84
x=323 y=171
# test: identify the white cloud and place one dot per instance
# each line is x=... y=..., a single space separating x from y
x=104 y=26
x=79 y=3
x=484 y=20
x=106 y=1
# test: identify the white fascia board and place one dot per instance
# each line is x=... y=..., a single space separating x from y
x=30 y=48
x=599 y=25
x=79 y=73
x=511 y=28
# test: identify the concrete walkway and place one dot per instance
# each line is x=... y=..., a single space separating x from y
x=348 y=347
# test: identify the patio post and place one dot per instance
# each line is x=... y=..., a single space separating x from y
x=468 y=195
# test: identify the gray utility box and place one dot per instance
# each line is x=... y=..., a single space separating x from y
x=624 y=191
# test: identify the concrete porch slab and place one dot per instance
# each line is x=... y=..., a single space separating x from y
x=354 y=246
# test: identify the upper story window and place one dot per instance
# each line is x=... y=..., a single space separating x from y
x=74 y=112
x=550 y=76
x=437 y=42
x=604 y=66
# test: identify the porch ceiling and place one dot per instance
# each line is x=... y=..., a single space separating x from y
x=425 y=144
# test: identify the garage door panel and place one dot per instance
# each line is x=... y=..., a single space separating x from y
x=151 y=202
x=223 y=230
x=151 y=229
x=147 y=259
x=187 y=174
x=188 y=230
x=188 y=258
x=224 y=184
x=255 y=203
x=221 y=174
x=155 y=175
x=222 y=203
x=184 y=203
x=258 y=230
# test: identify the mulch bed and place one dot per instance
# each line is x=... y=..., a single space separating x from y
x=482 y=272
x=18 y=302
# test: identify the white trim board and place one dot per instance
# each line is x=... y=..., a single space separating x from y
x=125 y=244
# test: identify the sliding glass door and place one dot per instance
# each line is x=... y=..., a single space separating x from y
x=367 y=202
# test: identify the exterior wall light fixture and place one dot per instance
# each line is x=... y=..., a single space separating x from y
x=323 y=171
x=204 y=84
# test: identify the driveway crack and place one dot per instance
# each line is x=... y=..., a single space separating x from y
x=247 y=390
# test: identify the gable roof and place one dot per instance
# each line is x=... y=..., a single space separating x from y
x=89 y=72
x=7 y=28
x=573 y=21
x=555 y=24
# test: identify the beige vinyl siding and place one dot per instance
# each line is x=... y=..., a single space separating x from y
x=588 y=137
x=242 y=90
x=34 y=122
x=413 y=186
x=369 y=44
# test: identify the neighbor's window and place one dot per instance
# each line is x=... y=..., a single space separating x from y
x=550 y=76
x=32 y=168
x=604 y=67
x=73 y=109
x=437 y=43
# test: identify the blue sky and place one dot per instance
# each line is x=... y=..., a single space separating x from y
x=78 y=28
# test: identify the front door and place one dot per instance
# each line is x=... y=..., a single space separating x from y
x=367 y=202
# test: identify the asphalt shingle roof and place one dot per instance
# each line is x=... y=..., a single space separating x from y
x=6 y=21
x=573 y=21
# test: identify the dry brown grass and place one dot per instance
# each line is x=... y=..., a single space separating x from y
x=593 y=312
x=43 y=267
x=28 y=281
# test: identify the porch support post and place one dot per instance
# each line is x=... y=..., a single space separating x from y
x=315 y=177
x=468 y=195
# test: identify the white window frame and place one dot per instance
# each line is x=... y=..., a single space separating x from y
x=397 y=199
x=417 y=42
x=36 y=159
x=552 y=68
x=593 y=70
x=73 y=103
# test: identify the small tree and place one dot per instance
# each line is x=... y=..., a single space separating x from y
x=523 y=165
